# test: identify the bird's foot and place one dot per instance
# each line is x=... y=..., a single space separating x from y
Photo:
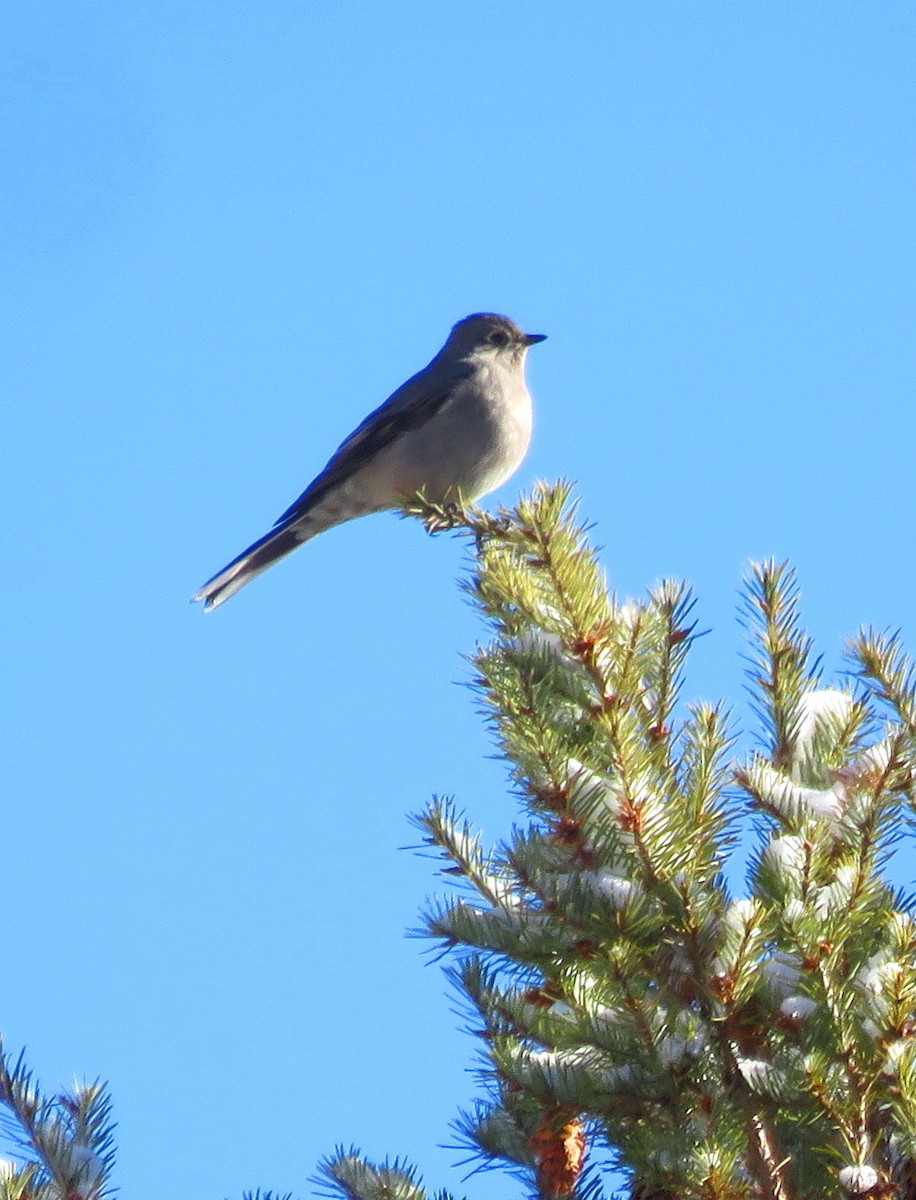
x=439 y=517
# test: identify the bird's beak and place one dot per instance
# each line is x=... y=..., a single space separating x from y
x=531 y=339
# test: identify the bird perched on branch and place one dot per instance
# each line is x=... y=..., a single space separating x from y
x=454 y=431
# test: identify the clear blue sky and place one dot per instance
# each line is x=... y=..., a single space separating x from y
x=228 y=231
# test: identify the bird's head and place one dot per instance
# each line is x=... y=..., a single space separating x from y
x=490 y=334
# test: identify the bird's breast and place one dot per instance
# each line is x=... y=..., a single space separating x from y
x=470 y=446
x=484 y=434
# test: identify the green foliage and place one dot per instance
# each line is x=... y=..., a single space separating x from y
x=63 y=1142
x=717 y=1046
x=349 y=1174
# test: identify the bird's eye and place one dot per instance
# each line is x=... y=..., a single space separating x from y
x=498 y=337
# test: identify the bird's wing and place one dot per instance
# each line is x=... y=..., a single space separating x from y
x=411 y=406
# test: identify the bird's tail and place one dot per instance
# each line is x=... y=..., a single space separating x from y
x=257 y=558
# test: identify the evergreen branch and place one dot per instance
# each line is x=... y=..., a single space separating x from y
x=671 y=604
x=766 y=1157
x=497 y=1131
x=704 y=778
x=519 y=1011
x=781 y=666
x=461 y=846
x=528 y=936
x=347 y=1174
x=259 y=1195
x=67 y=1140
x=888 y=671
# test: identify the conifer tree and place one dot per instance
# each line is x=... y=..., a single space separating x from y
x=633 y=1011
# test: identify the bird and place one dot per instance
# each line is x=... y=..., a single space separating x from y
x=453 y=432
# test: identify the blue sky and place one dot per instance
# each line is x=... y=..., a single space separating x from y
x=228 y=231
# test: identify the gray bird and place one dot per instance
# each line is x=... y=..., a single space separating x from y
x=454 y=431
